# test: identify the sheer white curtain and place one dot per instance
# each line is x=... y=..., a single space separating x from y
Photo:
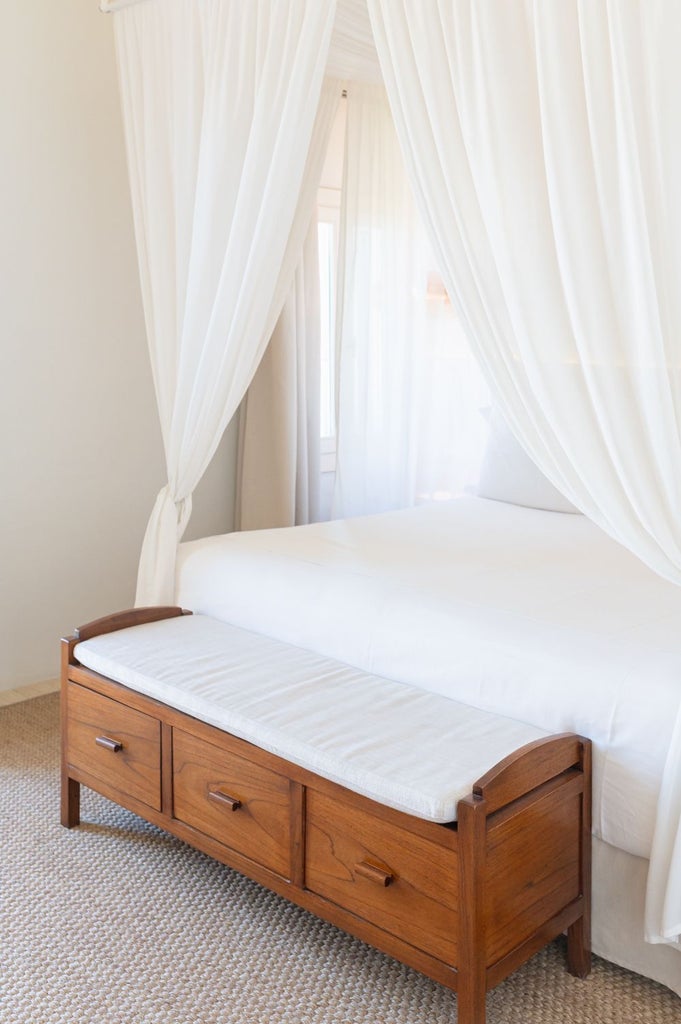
x=544 y=142
x=408 y=389
x=219 y=104
x=278 y=476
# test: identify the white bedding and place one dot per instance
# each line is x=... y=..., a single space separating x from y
x=534 y=615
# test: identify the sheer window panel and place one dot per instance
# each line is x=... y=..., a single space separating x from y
x=327 y=228
x=451 y=430
x=409 y=389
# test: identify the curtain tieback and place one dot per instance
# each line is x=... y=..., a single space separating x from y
x=171 y=509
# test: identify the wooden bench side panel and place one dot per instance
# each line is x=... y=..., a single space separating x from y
x=532 y=868
x=525 y=847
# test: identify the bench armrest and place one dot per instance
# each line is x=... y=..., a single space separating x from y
x=531 y=766
x=124 y=619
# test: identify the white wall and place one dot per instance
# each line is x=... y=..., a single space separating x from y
x=80 y=450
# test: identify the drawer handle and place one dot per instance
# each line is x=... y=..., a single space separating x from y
x=219 y=797
x=109 y=744
x=374 y=874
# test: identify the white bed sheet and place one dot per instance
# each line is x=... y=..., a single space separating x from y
x=538 y=616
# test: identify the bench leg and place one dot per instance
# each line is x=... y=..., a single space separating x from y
x=579 y=933
x=472 y=975
x=470 y=998
x=70 y=802
x=579 y=948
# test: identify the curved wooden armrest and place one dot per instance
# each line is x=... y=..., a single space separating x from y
x=124 y=619
x=530 y=766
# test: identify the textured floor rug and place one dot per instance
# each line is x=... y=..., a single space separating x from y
x=116 y=921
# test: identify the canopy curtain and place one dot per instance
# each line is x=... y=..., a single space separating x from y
x=543 y=141
x=278 y=472
x=409 y=390
x=544 y=145
x=219 y=105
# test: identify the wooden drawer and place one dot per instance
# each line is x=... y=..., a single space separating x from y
x=350 y=856
x=115 y=744
x=241 y=804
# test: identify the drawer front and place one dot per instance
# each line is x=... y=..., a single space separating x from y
x=402 y=882
x=237 y=802
x=115 y=744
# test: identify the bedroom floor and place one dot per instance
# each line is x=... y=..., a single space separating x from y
x=8 y=697
x=130 y=925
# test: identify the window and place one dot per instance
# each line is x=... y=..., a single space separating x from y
x=328 y=217
x=327 y=309
x=408 y=393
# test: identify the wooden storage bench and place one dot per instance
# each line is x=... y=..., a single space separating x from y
x=465 y=902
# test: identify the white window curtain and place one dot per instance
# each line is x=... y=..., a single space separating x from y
x=544 y=143
x=278 y=473
x=219 y=104
x=409 y=391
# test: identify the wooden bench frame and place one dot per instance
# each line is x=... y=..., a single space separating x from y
x=465 y=903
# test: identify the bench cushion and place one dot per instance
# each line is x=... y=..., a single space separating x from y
x=410 y=749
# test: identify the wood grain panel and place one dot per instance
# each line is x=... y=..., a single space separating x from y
x=527 y=768
x=205 y=778
x=533 y=863
x=135 y=768
x=419 y=905
x=126 y=619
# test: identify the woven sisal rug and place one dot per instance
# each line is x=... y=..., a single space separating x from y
x=120 y=923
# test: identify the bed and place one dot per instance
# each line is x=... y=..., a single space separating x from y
x=524 y=625
x=529 y=614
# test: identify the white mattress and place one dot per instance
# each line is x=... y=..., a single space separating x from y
x=409 y=749
x=537 y=616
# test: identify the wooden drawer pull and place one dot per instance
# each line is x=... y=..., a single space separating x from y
x=223 y=798
x=374 y=874
x=108 y=743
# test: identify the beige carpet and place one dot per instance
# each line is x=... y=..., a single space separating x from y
x=119 y=923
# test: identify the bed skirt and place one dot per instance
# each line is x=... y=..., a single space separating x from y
x=618 y=900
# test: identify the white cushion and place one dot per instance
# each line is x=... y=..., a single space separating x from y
x=413 y=750
x=509 y=474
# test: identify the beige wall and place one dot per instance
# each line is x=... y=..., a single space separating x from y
x=80 y=450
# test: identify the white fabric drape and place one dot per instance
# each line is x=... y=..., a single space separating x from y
x=278 y=479
x=543 y=142
x=219 y=103
x=544 y=145
x=409 y=391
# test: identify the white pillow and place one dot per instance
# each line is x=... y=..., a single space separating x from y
x=509 y=474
